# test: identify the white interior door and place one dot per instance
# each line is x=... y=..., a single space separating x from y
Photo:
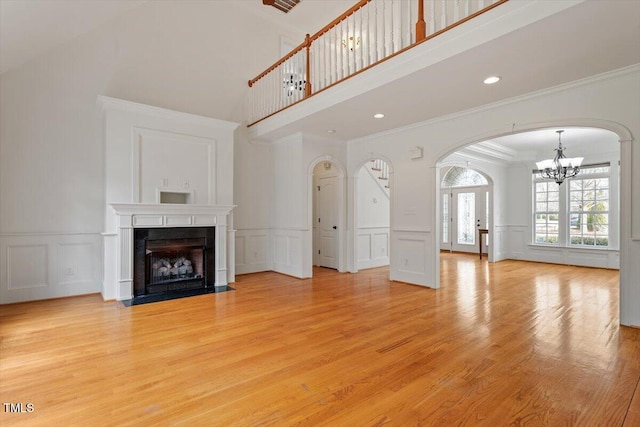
x=327 y=222
x=468 y=213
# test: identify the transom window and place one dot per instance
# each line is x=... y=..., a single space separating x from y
x=462 y=177
x=575 y=213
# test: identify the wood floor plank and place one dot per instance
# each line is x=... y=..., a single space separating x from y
x=510 y=343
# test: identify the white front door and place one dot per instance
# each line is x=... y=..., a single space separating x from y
x=467 y=213
x=327 y=222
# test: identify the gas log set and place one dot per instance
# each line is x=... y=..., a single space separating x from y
x=169 y=269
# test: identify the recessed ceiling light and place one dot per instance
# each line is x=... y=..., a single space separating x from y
x=331 y=131
x=378 y=115
x=491 y=80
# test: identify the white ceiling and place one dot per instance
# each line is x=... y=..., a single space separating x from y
x=540 y=144
x=587 y=39
x=29 y=28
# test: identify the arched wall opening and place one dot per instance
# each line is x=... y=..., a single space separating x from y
x=325 y=240
x=466 y=206
x=619 y=176
x=371 y=216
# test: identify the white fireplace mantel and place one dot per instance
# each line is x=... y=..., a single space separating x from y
x=151 y=152
x=139 y=215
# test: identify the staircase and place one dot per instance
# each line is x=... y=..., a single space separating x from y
x=379 y=170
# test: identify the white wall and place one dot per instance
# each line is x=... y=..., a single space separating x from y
x=181 y=55
x=253 y=189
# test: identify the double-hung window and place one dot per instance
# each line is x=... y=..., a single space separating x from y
x=589 y=207
x=575 y=213
x=546 y=211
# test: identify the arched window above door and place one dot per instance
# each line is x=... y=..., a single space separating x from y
x=462 y=177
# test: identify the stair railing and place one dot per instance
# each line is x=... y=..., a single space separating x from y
x=367 y=34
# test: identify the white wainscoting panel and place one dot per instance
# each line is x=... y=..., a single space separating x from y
x=252 y=251
x=500 y=245
x=409 y=257
x=41 y=266
x=287 y=251
x=516 y=241
x=373 y=247
x=27 y=266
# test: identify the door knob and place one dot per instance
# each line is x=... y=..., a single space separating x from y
x=335 y=227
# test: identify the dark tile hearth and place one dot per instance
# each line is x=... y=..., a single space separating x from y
x=164 y=296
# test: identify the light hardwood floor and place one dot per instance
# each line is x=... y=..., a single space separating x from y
x=511 y=343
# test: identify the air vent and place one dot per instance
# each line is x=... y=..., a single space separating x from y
x=282 y=5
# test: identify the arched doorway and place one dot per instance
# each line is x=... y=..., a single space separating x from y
x=325 y=215
x=373 y=214
x=465 y=209
x=536 y=221
x=324 y=240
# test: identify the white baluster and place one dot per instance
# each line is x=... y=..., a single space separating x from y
x=345 y=50
x=351 y=49
x=480 y=4
x=456 y=11
x=330 y=50
x=378 y=30
x=432 y=16
x=443 y=18
x=410 y=21
x=323 y=61
x=366 y=36
x=388 y=30
x=335 y=53
x=392 y=30
x=300 y=74
x=466 y=7
x=340 y=53
x=359 y=56
x=272 y=86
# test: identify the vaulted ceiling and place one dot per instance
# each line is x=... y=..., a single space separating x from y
x=30 y=28
x=588 y=38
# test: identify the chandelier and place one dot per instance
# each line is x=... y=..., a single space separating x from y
x=560 y=167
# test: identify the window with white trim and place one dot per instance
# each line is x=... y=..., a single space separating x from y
x=589 y=208
x=546 y=211
x=575 y=213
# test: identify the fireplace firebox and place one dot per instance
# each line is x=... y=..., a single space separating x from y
x=173 y=259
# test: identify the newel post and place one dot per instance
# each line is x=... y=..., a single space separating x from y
x=421 y=25
x=307 y=86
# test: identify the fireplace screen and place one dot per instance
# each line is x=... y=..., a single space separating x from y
x=174 y=264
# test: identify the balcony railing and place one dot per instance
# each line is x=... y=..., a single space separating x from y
x=367 y=34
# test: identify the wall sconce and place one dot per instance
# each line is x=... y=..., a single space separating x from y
x=351 y=43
